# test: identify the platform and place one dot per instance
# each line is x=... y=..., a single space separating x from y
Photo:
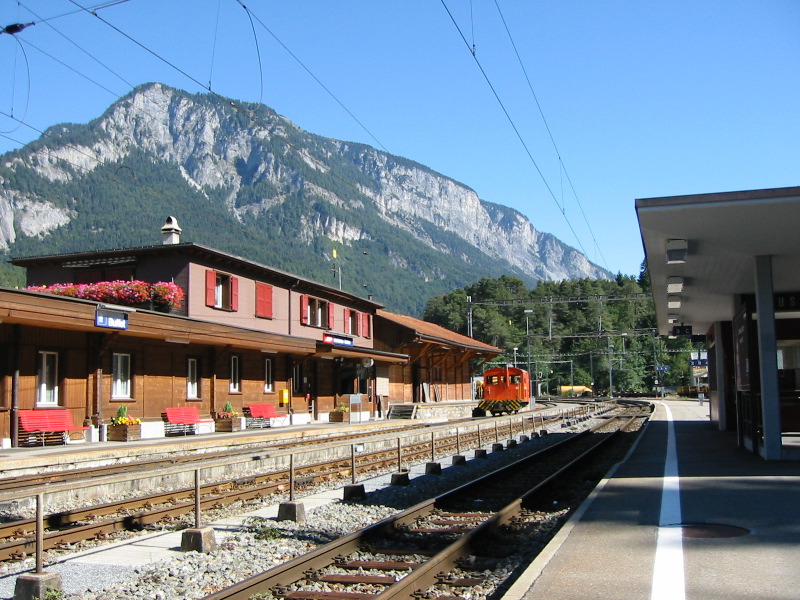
x=658 y=526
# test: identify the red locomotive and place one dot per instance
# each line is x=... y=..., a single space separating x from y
x=505 y=390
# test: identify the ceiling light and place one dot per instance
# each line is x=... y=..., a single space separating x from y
x=671 y=318
x=674 y=285
x=677 y=251
x=673 y=301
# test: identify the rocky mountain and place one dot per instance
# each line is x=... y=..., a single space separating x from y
x=241 y=178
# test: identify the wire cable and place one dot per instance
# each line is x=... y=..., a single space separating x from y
x=214 y=45
x=14 y=81
x=86 y=52
x=549 y=132
x=307 y=70
x=258 y=52
x=514 y=127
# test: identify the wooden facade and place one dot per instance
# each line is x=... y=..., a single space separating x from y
x=441 y=362
x=270 y=337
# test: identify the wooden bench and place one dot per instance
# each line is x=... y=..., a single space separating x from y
x=181 y=420
x=259 y=415
x=46 y=426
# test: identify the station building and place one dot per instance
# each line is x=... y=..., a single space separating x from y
x=244 y=334
x=726 y=266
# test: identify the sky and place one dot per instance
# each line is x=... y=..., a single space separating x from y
x=566 y=111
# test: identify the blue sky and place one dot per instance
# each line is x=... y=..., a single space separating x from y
x=640 y=99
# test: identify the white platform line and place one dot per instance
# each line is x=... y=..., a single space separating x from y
x=668 y=576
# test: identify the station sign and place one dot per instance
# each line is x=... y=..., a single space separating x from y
x=682 y=330
x=698 y=362
x=786 y=301
x=663 y=368
x=111 y=319
x=336 y=339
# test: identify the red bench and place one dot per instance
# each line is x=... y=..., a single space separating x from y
x=46 y=426
x=181 y=420
x=259 y=414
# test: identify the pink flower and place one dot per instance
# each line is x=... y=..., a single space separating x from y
x=127 y=293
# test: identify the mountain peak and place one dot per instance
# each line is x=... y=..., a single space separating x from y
x=244 y=179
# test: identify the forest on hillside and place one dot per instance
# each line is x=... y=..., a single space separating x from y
x=601 y=334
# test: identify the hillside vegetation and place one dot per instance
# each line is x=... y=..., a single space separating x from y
x=574 y=328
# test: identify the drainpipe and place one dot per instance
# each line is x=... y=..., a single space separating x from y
x=15 y=388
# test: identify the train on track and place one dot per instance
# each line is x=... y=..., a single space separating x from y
x=505 y=390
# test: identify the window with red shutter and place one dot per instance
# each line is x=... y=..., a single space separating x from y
x=263 y=300
x=304 y=309
x=331 y=319
x=365 y=325
x=211 y=285
x=222 y=291
x=234 y=283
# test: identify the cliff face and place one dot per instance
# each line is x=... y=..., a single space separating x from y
x=248 y=162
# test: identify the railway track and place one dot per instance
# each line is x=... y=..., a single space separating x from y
x=441 y=547
x=66 y=529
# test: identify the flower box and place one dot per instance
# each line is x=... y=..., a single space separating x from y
x=124 y=433
x=228 y=424
x=336 y=417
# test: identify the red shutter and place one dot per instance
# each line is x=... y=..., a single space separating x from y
x=234 y=293
x=346 y=319
x=211 y=285
x=365 y=323
x=331 y=319
x=263 y=300
x=304 y=309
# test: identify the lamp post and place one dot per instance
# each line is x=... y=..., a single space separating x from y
x=515 y=357
x=610 y=370
x=528 y=312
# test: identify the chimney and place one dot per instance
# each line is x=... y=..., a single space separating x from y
x=171 y=231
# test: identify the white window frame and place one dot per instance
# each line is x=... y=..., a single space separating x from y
x=317 y=312
x=121 y=376
x=222 y=291
x=235 y=384
x=269 y=384
x=48 y=379
x=192 y=378
x=352 y=321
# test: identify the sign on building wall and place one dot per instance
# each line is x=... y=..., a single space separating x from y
x=112 y=319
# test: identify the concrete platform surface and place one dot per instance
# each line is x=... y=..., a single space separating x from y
x=687 y=515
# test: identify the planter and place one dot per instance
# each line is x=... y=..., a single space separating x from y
x=228 y=425
x=124 y=433
x=336 y=417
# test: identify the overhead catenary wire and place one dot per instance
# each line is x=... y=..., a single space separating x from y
x=313 y=76
x=514 y=126
x=549 y=132
x=258 y=52
x=81 y=48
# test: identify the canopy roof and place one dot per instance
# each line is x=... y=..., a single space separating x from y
x=724 y=232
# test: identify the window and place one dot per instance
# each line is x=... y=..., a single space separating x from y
x=316 y=312
x=110 y=274
x=268 y=385
x=192 y=378
x=297 y=378
x=263 y=300
x=222 y=291
x=121 y=376
x=236 y=376
x=352 y=321
x=48 y=379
